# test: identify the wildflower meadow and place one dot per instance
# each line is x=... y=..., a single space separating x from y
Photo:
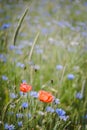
x=43 y=65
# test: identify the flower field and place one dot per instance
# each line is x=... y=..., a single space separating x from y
x=43 y=65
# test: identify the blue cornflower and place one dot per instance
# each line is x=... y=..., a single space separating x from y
x=85 y=116
x=85 y=3
x=5 y=26
x=20 y=46
x=19 y=115
x=20 y=123
x=6 y=126
x=60 y=112
x=20 y=65
x=13 y=95
x=28 y=115
x=59 y=67
x=2 y=58
x=64 y=117
x=24 y=81
x=49 y=109
x=84 y=34
x=39 y=51
x=70 y=76
x=61 y=24
x=4 y=77
x=19 y=52
x=9 y=127
x=44 y=31
x=56 y=101
x=34 y=94
x=24 y=105
x=11 y=47
x=79 y=95
x=23 y=94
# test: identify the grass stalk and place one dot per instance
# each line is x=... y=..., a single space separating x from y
x=19 y=26
x=31 y=51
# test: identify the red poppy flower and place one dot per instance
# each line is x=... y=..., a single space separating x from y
x=24 y=87
x=45 y=96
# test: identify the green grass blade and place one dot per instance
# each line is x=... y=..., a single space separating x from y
x=19 y=26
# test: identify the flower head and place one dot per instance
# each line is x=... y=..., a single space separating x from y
x=20 y=123
x=56 y=101
x=4 y=77
x=21 y=65
x=49 y=109
x=5 y=25
x=24 y=105
x=24 y=87
x=13 y=95
x=59 y=67
x=45 y=96
x=62 y=114
x=9 y=127
x=11 y=47
x=28 y=115
x=64 y=117
x=6 y=126
x=34 y=94
x=79 y=95
x=70 y=76
x=3 y=58
x=19 y=115
x=18 y=51
x=23 y=81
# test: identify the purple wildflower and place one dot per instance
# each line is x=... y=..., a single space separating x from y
x=5 y=26
x=4 y=77
x=19 y=115
x=23 y=94
x=11 y=47
x=6 y=126
x=61 y=113
x=28 y=115
x=79 y=95
x=9 y=127
x=13 y=95
x=20 y=65
x=24 y=105
x=64 y=117
x=24 y=81
x=49 y=109
x=2 y=58
x=20 y=124
x=56 y=101
x=70 y=76
x=34 y=94
x=19 y=52
x=59 y=67
x=39 y=51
